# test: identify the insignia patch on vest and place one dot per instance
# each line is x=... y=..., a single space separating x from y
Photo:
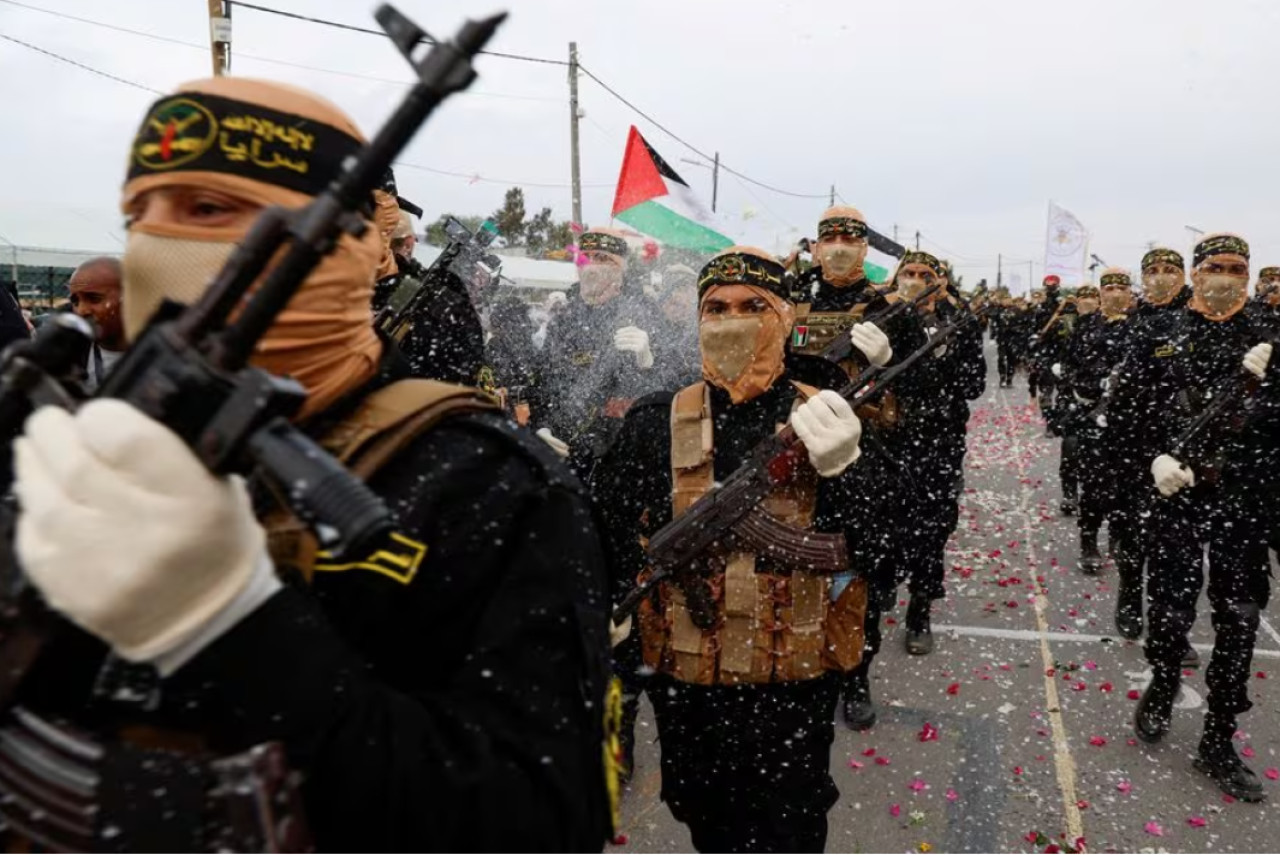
x=800 y=336
x=399 y=559
x=1166 y=350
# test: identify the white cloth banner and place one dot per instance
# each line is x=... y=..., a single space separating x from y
x=1066 y=247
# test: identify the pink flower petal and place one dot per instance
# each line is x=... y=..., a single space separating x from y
x=895 y=810
x=1105 y=687
x=1154 y=829
x=917 y=785
x=1272 y=774
x=1247 y=752
x=1197 y=821
x=952 y=795
x=869 y=752
x=928 y=733
x=1097 y=741
x=1091 y=665
x=1124 y=787
x=1134 y=694
x=953 y=689
x=882 y=761
x=854 y=764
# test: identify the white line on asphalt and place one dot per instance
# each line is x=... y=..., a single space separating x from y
x=1271 y=631
x=1063 y=763
x=1069 y=637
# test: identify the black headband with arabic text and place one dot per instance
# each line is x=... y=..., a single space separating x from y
x=1219 y=245
x=841 y=227
x=740 y=268
x=196 y=132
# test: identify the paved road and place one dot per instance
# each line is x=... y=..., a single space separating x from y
x=1029 y=690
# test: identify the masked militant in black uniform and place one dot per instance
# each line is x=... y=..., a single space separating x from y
x=929 y=441
x=1096 y=346
x=446 y=691
x=1213 y=485
x=746 y=676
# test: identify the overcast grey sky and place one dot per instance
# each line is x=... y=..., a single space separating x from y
x=960 y=119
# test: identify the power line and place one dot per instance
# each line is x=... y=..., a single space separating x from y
x=651 y=120
x=266 y=59
x=80 y=65
x=475 y=176
x=523 y=58
x=367 y=31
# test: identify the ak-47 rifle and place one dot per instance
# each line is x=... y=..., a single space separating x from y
x=732 y=513
x=189 y=369
x=841 y=347
x=461 y=256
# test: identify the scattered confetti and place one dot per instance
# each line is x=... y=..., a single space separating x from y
x=952 y=795
x=953 y=689
x=1124 y=787
x=882 y=761
x=1272 y=774
x=917 y=785
x=1154 y=829
x=1197 y=821
x=928 y=733
x=1097 y=741
x=895 y=810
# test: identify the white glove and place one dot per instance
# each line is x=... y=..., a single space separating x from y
x=1056 y=368
x=634 y=340
x=128 y=535
x=619 y=633
x=873 y=343
x=557 y=445
x=830 y=431
x=1257 y=359
x=1170 y=475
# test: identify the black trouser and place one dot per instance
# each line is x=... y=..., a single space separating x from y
x=1069 y=468
x=1006 y=360
x=1046 y=384
x=627 y=667
x=1096 y=475
x=931 y=519
x=1128 y=537
x=747 y=767
x=1238 y=588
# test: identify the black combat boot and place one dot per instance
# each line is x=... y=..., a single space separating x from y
x=859 y=711
x=919 y=633
x=1217 y=758
x=1070 y=505
x=1090 y=557
x=1129 y=608
x=1154 y=715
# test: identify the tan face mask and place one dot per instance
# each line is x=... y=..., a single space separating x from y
x=1218 y=296
x=841 y=262
x=909 y=288
x=600 y=282
x=1115 y=303
x=324 y=338
x=1160 y=288
x=744 y=355
x=386 y=216
x=1086 y=305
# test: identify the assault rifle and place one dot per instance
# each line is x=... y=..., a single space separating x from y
x=731 y=513
x=463 y=256
x=841 y=347
x=189 y=369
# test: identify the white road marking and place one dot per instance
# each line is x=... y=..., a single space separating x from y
x=1069 y=637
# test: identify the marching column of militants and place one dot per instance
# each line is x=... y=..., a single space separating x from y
x=451 y=691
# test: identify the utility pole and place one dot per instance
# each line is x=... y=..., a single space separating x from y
x=999 y=270
x=220 y=36
x=1031 y=275
x=575 y=171
x=917 y=240
x=715 y=182
x=831 y=203
x=895 y=232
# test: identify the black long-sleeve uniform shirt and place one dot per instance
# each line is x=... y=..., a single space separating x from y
x=453 y=704
x=1177 y=361
x=446 y=341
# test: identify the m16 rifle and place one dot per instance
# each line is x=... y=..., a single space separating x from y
x=189 y=369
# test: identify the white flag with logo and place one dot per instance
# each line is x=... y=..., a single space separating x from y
x=1066 y=247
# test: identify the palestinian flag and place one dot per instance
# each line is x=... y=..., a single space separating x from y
x=655 y=201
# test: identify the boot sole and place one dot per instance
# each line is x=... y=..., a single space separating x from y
x=866 y=724
x=1091 y=567
x=1244 y=795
